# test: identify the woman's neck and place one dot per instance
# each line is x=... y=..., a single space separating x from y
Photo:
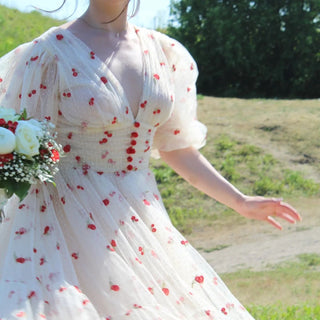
x=112 y=18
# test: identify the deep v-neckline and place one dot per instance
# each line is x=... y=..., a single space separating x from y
x=127 y=108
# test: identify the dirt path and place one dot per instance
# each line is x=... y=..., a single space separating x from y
x=258 y=246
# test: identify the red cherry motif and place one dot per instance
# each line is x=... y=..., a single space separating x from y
x=165 y=291
x=224 y=311
x=188 y=89
x=31 y=294
x=43 y=208
x=104 y=80
x=67 y=148
x=153 y=229
x=113 y=243
x=114 y=121
x=199 y=279
x=21 y=231
x=106 y=202
x=75 y=255
x=21 y=314
x=114 y=287
x=59 y=37
x=143 y=104
x=42 y=261
x=92 y=55
x=176 y=132
x=146 y=202
x=34 y=58
x=21 y=260
x=151 y=290
x=74 y=72
x=134 y=219
x=174 y=68
x=46 y=230
x=104 y=140
x=156 y=76
x=91 y=101
x=92 y=226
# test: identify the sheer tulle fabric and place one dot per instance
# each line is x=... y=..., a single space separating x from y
x=100 y=244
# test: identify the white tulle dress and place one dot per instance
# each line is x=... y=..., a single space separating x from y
x=100 y=244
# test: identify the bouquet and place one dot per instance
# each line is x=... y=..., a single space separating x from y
x=28 y=153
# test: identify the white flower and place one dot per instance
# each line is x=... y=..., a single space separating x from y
x=7 y=141
x=8 y=114
x=36 y=124
x=27 y=138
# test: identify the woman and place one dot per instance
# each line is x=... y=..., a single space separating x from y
x=100 y=245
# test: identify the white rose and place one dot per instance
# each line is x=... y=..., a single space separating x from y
x=36 y=124
x=7 y=141
x=27 y=141
x=8 y=114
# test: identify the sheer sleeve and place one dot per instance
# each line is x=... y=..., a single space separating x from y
x=28 y=80
x=182 y=129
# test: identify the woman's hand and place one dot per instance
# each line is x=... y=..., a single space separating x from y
x=266 y=209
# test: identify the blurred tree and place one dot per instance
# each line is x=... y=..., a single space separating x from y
x=262 y=48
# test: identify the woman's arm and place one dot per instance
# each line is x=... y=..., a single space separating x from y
x=191 y=165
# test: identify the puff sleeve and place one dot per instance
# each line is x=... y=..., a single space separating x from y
x=28 y=80
x=182 y=129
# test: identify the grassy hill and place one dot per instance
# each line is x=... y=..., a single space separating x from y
x=17 y=27
x=265 y=147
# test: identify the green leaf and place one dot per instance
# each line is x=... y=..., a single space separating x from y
x=12 y=187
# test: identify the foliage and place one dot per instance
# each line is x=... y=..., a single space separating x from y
x=252 y=48
x=17 y=27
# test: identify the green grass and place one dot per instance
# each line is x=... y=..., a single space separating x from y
x=17 y=27
x=248 y=167
x=280 y=312
x=290 y=288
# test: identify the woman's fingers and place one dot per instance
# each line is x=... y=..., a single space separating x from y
x=284 y=210
x=274 y=222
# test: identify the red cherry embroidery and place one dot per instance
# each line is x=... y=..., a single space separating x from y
x=59 y=37
x=104 y=80
x=115 y=287
x=137 y=124
x=92 y=226
x=165 y=291
x=134 y=219
x=224 y=311
x=177 y=131
x=91 y=102
x=156 y=76
x=46 y=230
x=31 y=294
x=74 y=72
x=75 y=255
x=199 y=279
x=146 y=202
x=67 y=148
x=113 y=243
x=106 y=202
x=143 y=104
x=21 y=260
